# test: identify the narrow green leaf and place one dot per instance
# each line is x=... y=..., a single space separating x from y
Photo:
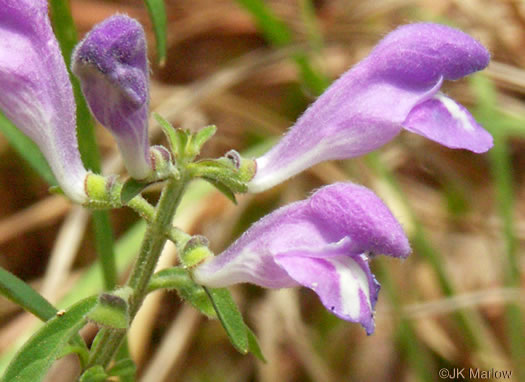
x=273 y=29
x=222 y=188
x=214 y=303
x=177 y=138
x=27 y=149
x=230 y=317
x=63 y=27
x=253 y=345
x=311 y=77
x=178 y=279
x=241 y=336
x=157 y=13
x=311 y=24
x=279 y=35
x=183 y=141
x=37 y=355
x=22 y=294
x=131 y=188
x=201 y=137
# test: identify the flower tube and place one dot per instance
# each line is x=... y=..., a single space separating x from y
x=112 y=66
x=35 y=92
x=395 y=87
x=323 y=243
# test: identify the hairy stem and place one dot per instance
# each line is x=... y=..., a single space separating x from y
x=147 y=212
x=109 y=340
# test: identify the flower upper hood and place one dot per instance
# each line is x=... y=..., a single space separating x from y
x=396 y=86
x=322 y=243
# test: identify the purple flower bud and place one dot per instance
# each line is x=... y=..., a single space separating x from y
x=112 y=67
x=35 y=92
x=321 y=243
x=395 y=87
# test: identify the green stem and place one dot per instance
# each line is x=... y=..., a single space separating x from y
x=104 y=346
x=109 y=340
x=66 y=34
x=154 y=242
x=105 y=244
x=147 y=212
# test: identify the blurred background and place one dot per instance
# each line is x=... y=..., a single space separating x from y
x=456 y=302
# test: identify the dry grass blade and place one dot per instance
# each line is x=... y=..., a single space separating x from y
x=496 y=296
x=221 y=71
x=508 y=76
x=66 y=246
x=172 y=349
x=38 y=215
x=287 y=303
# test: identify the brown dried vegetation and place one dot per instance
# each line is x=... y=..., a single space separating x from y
x=220 y=70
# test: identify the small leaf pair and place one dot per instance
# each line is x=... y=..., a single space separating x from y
x=184 y=144
x=214 y=303
x=228 y=174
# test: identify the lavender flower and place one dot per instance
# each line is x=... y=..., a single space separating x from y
x=35 y=92
x=112 y=67
x=322 y=243
x=396 y=86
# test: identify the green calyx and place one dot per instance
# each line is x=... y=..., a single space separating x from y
x=162 y=163
x=111 y=310
x=195 y=251
x=246 y=167
x=230 y=173
x=102 y=192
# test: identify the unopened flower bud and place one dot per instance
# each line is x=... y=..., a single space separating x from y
x=112 y=67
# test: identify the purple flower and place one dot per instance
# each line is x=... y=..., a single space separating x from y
x=35 y=92
x=322 y=243
x=112 y=67
x=396 y=86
